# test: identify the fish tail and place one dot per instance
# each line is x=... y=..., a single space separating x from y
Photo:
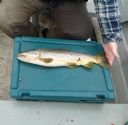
x=102 y=61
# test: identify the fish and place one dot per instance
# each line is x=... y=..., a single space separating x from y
x=59 y=57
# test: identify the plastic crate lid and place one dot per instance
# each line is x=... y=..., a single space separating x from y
x=60 y=83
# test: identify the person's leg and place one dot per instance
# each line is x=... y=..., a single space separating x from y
x=72 y=20
x=15 y=16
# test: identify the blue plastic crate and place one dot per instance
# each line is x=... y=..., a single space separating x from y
x=33 y=82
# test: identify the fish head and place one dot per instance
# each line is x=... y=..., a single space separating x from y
x=28 y=56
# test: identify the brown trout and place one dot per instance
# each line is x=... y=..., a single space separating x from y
x=56 y=58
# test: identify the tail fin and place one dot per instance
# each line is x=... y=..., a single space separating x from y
x=102 y=61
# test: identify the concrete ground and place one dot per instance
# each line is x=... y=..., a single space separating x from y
x=6 y=45
x=54 y=113
x=125 y=63
x=6 y=50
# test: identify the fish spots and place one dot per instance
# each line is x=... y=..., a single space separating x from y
x=46 y=60
x=78 y=59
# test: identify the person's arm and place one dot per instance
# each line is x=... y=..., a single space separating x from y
x=108 y=15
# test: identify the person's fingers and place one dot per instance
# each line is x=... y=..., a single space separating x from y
x=115 y=52
x=114 y=49
x=107 y=56
x=105 y=48
x=110 y=58
x=111 y=51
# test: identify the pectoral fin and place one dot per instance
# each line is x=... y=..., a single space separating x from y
x=46 y=60
x=71 y=65
x=88 y=65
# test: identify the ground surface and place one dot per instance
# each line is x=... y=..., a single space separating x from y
x=6 y=45
x=51 y=113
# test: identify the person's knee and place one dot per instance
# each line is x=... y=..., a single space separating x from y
x=5 y=26
x=80 y=33
x=14 y=30
x=5 y=23
x=26 y=29
x=9 y=28
x=15 y=26
x=14 y=18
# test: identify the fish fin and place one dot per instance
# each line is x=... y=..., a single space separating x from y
x=58 y=49
x=89 y=65
x=46 y=60
x=104 y=64
x=103 y=61
x=61 y=49
x=72 y=65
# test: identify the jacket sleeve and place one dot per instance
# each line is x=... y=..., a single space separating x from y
x=108 y=16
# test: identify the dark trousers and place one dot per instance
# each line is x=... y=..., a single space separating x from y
x=72 y=19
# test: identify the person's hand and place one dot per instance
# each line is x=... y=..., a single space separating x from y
x=111 y=51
